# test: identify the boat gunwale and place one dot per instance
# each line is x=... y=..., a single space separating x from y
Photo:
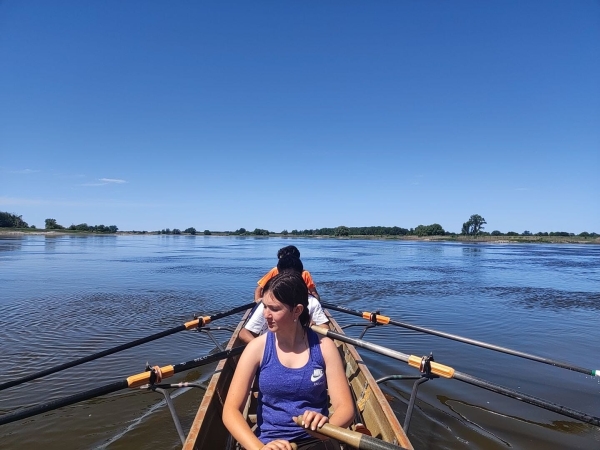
x=198 y=428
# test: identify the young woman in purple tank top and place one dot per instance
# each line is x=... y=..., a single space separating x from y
x=296 y=369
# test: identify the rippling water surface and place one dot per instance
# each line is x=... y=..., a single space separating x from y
x=64 y=297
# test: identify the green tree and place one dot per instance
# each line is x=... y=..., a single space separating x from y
x=284 y=232
x=342 y=231
x=207 y=233
x=474 y=225
x=12 y=221
x=434 y=229
x=52 y=225
x=190 y=230
x=496 y=233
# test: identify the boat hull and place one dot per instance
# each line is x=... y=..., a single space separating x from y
x=373 y=409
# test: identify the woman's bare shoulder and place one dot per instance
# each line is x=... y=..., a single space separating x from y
x=256 y=347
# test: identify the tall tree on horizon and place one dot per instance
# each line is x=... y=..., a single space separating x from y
x=474 y=225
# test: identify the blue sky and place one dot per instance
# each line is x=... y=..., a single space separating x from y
x=295 y=115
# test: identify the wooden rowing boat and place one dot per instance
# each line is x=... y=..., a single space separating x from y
x=373 y=410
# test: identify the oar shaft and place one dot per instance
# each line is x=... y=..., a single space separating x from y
x=563 y=410
x=233 y=311
x=130 y=382
x=77 y=362
x=65 y=401
x=118 y=348
x=474 y=342
x=182 y=367
x=445 y=370
x=360 y=343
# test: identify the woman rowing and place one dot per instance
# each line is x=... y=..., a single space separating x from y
x=297 y=370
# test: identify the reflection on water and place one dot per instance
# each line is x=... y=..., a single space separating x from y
x=64 y=297
x=9 y=245
x=472 y=251
x=564 y=426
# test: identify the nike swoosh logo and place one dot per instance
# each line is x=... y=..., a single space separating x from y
x=317 y=375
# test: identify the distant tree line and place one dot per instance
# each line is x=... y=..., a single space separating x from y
x=256 y=232
x=94 y=228
x=422 y=230
x=190 y=230
x=541 y=233
x=472 y=227
x=52 y=225
x=8 y=220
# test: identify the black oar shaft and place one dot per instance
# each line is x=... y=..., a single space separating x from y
x=77 y=362
x=65 y=401
x=563 y=410
x=469 y=379
x=182 y=367
x=230 y=312
x=474 y=342
x=139 y=379
x=119 y=348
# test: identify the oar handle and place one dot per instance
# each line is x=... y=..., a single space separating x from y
x=352 y=438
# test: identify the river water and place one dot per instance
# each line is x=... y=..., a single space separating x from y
x=64 y=297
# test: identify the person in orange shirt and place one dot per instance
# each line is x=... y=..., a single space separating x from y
x=290 y=250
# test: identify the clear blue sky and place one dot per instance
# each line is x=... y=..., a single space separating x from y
x=301 y=114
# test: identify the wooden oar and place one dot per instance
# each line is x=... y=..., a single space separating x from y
x=352 y=438
x=384 y=320
x=133 y=381
x=201 y=321
x=448 y=372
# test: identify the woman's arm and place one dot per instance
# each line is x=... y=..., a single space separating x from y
x=337 y=383
x=238 y=395
x=339 y=391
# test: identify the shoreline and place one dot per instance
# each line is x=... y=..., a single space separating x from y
x=452 y=238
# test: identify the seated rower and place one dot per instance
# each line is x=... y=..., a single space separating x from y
x=290 y=250
x=257 y=324
x=297 y=370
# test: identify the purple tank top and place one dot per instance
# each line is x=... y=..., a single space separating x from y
x=285 y=392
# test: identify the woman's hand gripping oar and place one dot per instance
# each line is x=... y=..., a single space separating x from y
x=353 y=438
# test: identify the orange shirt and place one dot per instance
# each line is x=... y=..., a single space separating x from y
x=310 y=284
